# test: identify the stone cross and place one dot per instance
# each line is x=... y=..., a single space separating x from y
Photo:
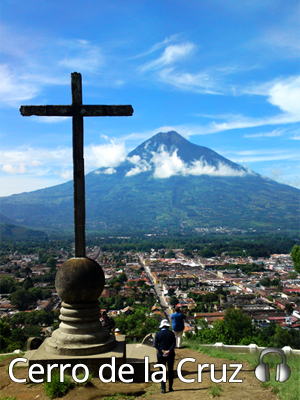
x=77 y=111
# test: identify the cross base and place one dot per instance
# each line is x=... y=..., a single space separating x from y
x=93 y=362
x=80 y=332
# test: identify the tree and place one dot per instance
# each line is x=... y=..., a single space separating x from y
x=36 y=293
x=237 y=326
x=51 y=263
x=289 y=308
x=27 y=270
x=7 y=285
x=47 y=294
x=117 y=286
x=170 y=254
x=33 y=331
x=207 y=253
x=119 y=303
x=266 y=282
x=282 y=337
x=21 y=299
x=293 y=275
x=130 y=301
x=173 y=301
x=122 y=278
x=27 y=284
x=5 y=334
x=295 y=255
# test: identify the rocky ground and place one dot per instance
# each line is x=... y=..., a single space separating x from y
x=250 y=388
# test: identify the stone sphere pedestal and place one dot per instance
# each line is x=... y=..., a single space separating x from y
x=79 y=283
x=80 y=338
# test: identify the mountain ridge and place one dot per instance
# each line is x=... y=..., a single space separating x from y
x=187 y=151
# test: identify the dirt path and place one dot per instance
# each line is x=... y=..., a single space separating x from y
x=250 y=388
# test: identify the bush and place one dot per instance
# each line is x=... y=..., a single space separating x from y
x=188 y=335
x=55 y=388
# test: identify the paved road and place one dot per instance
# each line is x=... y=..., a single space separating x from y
x=158 y=292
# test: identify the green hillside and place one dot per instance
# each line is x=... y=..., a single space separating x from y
x=15 y=232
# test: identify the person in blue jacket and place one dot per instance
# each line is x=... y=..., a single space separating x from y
x=178 y=325
x=165 y=344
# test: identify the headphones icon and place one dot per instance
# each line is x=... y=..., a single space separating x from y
x=283 y=371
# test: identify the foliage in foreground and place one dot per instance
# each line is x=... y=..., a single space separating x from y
x=215 y=390
x=55 y=388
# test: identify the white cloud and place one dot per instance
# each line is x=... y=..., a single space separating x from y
x=14 y=89
x=139 y=165
x=286 y=95
x=263 y=155
x=107 y=171
x=30 y=66
x=156 y=47
x=10 y=169
x=274 y=133
x=106 y=155
x=259 y=151
x=66 y=174
x=40 y=161
x=110 y=171
x=81 y=55
x=36 y=161
x=200 y=167
x=283 y=94
x=199 y=83
x=266 y=157
x=166 y=165
x=171 y=54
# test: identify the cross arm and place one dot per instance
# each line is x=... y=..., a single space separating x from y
x=81 y=110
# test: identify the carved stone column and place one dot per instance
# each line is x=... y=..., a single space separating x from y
x=79 y=283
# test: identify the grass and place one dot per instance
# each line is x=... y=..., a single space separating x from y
x=55 y=388
x=8 y=398
x=119 y=396
x=215 y=390
x=88 y=382
x=288 y=390
x=4 y=356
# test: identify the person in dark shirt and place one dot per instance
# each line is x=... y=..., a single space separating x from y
x=108 y=322
x=165 y=344
x=178 y=325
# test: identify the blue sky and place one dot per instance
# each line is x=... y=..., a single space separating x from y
x=224 y=74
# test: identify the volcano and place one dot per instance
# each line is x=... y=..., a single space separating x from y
x=166 y=184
